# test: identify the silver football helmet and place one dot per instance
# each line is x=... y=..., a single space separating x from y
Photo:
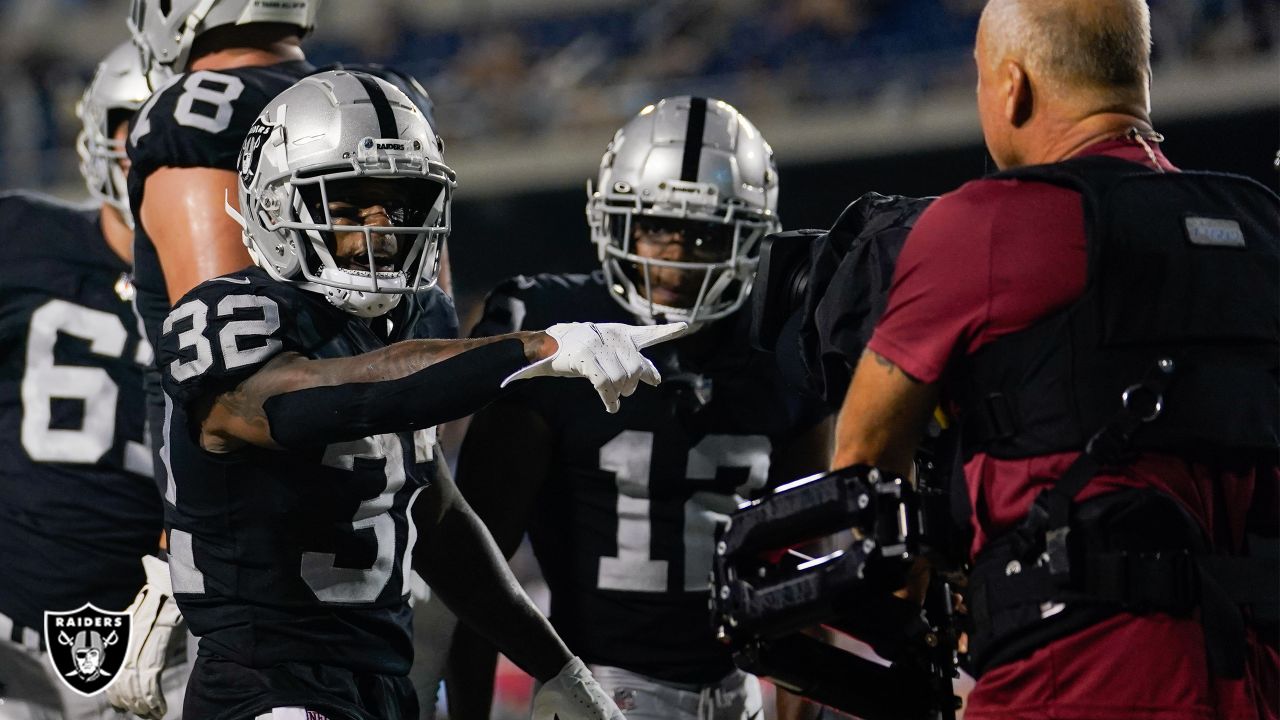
x=696 y=166
x=164 y=30
x=117 y=90
x=320 y=154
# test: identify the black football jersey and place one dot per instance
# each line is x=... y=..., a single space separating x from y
x=78 y=508
x=196 y=119
x=430 y=313
x=624 y=527
x=284 y=556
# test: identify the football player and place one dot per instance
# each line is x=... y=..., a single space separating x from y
x=228 y=58
x=78 y=505
x=301 y=484
x=224 y=60
x=231 y=57
x=213 y=65
x=622 y=510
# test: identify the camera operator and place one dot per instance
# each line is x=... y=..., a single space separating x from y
x=1024 y=309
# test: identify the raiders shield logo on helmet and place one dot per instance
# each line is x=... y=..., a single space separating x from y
x=87 y=646
x=247 y=164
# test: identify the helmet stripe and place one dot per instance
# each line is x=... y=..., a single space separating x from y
x=693 y=139
x=386 y=118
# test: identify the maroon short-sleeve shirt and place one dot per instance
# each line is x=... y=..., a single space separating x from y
x=990 y=259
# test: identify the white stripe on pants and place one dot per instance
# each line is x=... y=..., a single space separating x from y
x=291 y=713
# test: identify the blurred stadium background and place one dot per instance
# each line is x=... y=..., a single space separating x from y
x=854 y=95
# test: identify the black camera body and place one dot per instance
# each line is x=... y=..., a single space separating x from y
x=816 y=300
x=818 y=294
x=782 y=281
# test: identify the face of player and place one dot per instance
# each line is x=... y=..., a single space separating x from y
x=375 y=202
x=678 y=241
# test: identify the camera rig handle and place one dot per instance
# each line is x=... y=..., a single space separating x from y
x=763 y=595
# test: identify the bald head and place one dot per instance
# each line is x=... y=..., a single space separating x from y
x=1096 y=47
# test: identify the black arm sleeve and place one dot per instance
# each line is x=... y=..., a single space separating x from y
x=447 y=390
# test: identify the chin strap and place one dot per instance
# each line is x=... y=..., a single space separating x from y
x=368 y=305
x=361 y=303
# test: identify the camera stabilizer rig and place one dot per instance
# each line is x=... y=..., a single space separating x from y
x=763 y=594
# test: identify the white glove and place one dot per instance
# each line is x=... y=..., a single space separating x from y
x=155 y=619
x=574 y=695
x=607 y=354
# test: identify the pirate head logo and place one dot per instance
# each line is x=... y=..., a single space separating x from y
x=251 y=149
x=87 y=646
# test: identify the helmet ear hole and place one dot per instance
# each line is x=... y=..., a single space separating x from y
x=270 y=206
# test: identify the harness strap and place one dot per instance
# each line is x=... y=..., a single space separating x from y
x=1008 y=597
x=1037 y=570
x=1165 y=581
x=1047 y=525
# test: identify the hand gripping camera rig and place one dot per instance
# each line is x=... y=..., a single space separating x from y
x=763 y=595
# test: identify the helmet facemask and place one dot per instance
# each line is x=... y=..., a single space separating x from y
x=102 y=158
x=719 y=250
x=364 y=268
x=114 y=94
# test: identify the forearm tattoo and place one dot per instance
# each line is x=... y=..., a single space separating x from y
x=405 y=358
x=240 y=411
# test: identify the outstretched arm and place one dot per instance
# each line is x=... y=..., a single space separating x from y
x=293 y=400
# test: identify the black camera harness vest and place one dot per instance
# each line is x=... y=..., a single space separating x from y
x=1173 y=347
